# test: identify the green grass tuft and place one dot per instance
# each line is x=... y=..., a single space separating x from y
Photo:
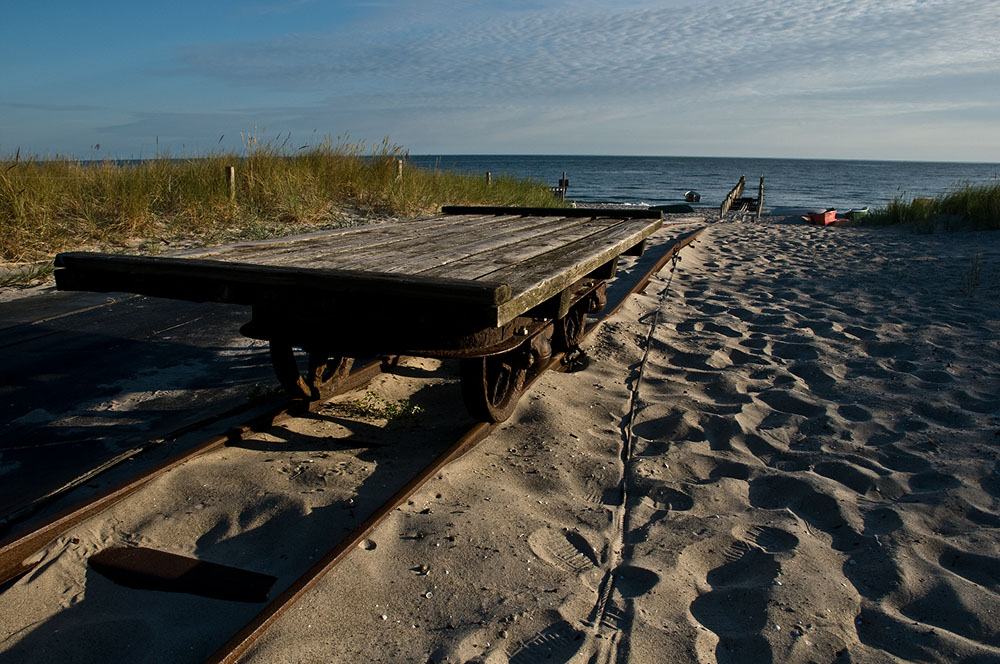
x=47 y=206
x=375 y=407
x=970 y=207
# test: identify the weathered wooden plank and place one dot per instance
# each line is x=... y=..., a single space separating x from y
x=441 y=256
x=381 y=234
x=537 y=279
x=221 y=279
x=271 y=243
x=366 y=251
x=452 y=235
x=479 y=265
x=435 y=251
x=612 y=213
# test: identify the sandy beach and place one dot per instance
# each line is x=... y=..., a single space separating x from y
x=786 y=450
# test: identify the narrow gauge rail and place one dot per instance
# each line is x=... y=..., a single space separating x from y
x=242 y=641
x=15 y=550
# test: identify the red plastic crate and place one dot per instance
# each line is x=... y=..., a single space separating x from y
x=823 y=218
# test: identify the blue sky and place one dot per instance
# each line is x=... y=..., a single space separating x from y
x=867 y=79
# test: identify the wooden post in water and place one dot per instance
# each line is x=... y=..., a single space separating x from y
x=399 y=169
x=489 y=178
x=563 y=186
x=231 y=182
x=731 y=197
x=760 y=197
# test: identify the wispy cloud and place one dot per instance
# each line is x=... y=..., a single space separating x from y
x=54 y=108
x=829 y=77
x=780 y=46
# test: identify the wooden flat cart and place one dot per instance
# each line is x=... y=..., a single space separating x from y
x=497 y=288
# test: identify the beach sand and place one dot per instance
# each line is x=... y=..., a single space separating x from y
x=786 y=450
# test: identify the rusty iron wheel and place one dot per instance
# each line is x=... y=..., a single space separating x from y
x=492 y=385
x=323 y=374
x=569 y=329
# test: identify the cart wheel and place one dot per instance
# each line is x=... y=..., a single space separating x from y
x=323 y=375
x=492 y=385
x=569 y=329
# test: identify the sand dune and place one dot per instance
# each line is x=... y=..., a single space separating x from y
x=785 y=451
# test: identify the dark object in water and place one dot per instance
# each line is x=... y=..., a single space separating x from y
x=679 y=207
x=149 y=569
x=692 y=196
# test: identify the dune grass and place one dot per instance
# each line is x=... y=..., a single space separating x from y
x=973 y=207
x=47 y=206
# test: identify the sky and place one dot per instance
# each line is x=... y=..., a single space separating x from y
x=841 y=79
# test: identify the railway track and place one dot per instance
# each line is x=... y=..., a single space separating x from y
x=16 y=550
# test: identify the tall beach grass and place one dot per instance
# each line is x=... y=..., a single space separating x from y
x=973 y=207
x=48 y=206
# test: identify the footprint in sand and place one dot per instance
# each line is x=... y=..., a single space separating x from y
x=699 y=361
x=666 y=498
x=870 y=567
x=991 y=483
x=803 y=499
x=772 y=540
x=604 y=496
x=794 y=351
x=556 y=644
x=736 y=607
x=882 y=521
x=850 y=476
x=567 y=549
x=909 y=641
x=890 y=456
x=983 y=518
x=632 y=581
x=977 y=568
x=721 y=431
x=934 y=376
x=738 y=358
x=862 y=333
x=731 y=469
x=688 y=325
x=971 y=401
x=865 y=368
x=756 y=341
x=785 y=402
x=933 y=480
x=854 y=413
x=676 y=426
x=947 y=414
x=948 y=608
x=704 y=307
x=724 y=330
x=817 y=377
x=895 y=351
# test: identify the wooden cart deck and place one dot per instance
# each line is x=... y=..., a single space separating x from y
x=494 y=263
x=499 y=288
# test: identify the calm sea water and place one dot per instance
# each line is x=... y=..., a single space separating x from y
x=787 y=182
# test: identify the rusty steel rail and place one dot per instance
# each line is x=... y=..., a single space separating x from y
x=237 y=646
x=14 y=550
x=672 y=252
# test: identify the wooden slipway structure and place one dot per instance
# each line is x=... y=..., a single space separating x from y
x=498 y=288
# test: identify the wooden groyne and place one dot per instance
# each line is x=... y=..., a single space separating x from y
x=735 y=201
x=732 y=196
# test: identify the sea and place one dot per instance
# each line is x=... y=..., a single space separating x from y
x=820 y=183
